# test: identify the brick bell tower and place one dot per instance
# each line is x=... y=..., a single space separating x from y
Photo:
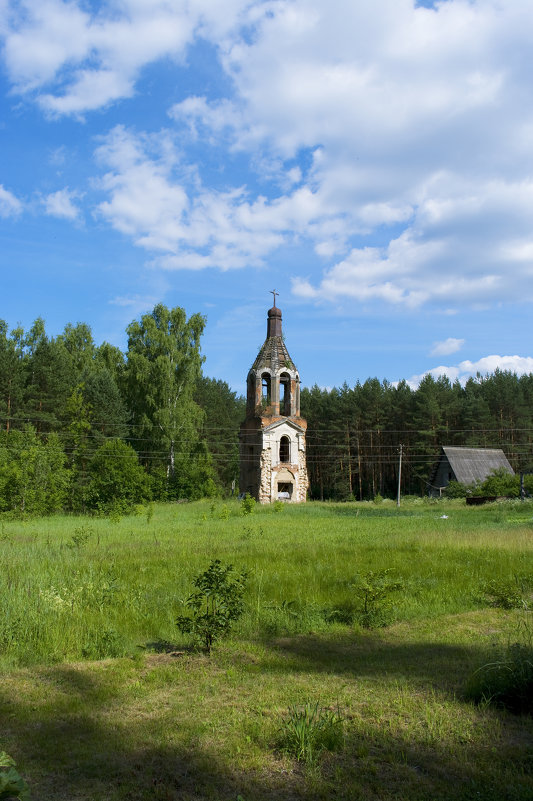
x=272 y=438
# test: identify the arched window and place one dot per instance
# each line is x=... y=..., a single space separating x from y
x=284 y=449
x=285 y=394
x=251 y=389
x=265 y=388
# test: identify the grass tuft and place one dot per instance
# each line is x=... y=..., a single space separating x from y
x=309 y=730
x=506 y=680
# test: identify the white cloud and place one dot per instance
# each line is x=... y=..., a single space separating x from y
x=447 y=347
x=61 y=204
x=521 y=365
x=404 y=111
x=136 y=304
x=372 y=133
x=459 y=248
x=92 y=59
x=163 y=205
x=10 y=206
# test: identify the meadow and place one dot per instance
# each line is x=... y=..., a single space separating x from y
x=103 y=698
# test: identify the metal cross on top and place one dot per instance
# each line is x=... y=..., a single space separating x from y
x=273 y=292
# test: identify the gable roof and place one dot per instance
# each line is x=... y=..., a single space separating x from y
x=474 y=464
x=283 y=421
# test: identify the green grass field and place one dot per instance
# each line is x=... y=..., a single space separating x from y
x=102 y=697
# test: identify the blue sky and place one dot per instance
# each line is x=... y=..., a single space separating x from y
x=372 y=162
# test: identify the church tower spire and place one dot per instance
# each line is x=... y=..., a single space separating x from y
x=272 y=438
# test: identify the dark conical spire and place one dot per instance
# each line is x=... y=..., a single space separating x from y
x=274 y=353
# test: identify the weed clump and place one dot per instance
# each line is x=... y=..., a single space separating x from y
x=12 y=785
x=506 y=681
x=512 y=594
x=309 y=730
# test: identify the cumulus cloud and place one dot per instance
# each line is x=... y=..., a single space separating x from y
x=163 y=205
x=384 y=137
x=10 y=205
x=89 y=59
x=447 y=347
x=521 y=365
x=135 y=304
x=62 y=204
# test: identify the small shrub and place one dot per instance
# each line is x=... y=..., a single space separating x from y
x=309 y=730
x=378 y=499
x=81 y=536
x=247 y=504
x=149 y=512
x=373 y=591
x=12 y=785
x=215 y=606
x=278 y=506
x=457 y=490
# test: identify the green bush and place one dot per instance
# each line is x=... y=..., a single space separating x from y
x=457 y=490
x=500 y=483
x=118 y=481
x=247 y=504
x=514 y=593
x=215 y=605
x=372 y=591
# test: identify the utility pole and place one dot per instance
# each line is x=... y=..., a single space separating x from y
x=399 y=476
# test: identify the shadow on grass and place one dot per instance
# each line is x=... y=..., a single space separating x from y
x=165 y=647
x=67 y=754
x=373 y=654
x=76 y=737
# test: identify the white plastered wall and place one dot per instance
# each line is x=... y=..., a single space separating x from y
x=295 y=465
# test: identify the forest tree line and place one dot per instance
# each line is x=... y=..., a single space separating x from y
x=87 y=427
x=355 y=434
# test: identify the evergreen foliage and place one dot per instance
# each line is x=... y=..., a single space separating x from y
x=184 y=426
x=354 y=434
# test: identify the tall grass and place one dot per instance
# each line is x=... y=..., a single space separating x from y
x=75 y=588
x=371 y=713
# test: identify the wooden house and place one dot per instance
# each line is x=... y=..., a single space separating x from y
x=465 y=465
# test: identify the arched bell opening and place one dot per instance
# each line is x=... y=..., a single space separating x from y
x=285 y=394
x=250 y=391
x=266 y=389
x=284 y=450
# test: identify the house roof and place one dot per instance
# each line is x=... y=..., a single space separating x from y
x=473 y=464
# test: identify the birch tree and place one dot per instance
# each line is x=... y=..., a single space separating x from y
x=162 y=368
